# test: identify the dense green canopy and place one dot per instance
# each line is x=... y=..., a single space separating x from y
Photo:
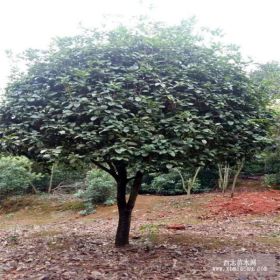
x=142 y=99
x=157 y=96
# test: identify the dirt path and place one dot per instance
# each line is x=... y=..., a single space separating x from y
x=62 y=245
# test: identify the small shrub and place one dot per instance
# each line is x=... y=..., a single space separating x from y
x=12 y=239
x=272 y=180
x=272 y=163
x=15 y=175
x=100 y=189
x=89 y=209
x=151 y=231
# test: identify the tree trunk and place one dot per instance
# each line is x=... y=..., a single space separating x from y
x=122 y=236
x=223 y=176
x=189 y=192
x=238 y=170
x=34 y=189
x=190 y=182
x=51 y=178
x=183 y=180
x=125 y=207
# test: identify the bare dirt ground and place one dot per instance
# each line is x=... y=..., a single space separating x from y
x=215 y=235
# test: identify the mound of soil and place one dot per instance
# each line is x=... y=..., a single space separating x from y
x=246 y=203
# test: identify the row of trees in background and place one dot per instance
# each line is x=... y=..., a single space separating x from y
x=134 y=101
x=267 y=79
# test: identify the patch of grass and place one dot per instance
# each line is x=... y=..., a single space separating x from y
x=41 y=203
x=196 y=203
x=277 y=219
x=16 y=203
x=45 y=233
x=202 y=242
x=151 y=231
x=58 y=243
x=272 y=239
x=190 y=220
x=9 y=216
x=72 y=205
x=12 y=239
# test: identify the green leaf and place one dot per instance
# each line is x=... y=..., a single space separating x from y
x=169 y=166
x=120 y=150
x=172 y=153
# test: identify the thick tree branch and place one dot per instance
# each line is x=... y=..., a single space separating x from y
x=134 y=190
x=121 y=186
x=112 y=167
x=111 y=172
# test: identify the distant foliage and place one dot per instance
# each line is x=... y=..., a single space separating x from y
x=272 y=180
x=255 y=166
x=101 y=189
x=268 y=162
x=171 y=184
x=65 y=174
x=166 y=184
x=208 y=179
x=267 y=77
x=15 y=175
x=272 y=162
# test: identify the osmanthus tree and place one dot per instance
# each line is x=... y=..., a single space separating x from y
x=130 y=100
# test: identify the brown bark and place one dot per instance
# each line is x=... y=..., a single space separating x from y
x=240 y=165
x=122 y=236
x=125 y=207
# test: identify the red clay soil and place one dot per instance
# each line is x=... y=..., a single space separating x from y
x=246 y=203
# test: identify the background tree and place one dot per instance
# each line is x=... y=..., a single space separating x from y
x=132 y=101
x=241 y=139
x=267 y=79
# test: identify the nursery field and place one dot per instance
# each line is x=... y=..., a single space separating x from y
x=209 y=236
